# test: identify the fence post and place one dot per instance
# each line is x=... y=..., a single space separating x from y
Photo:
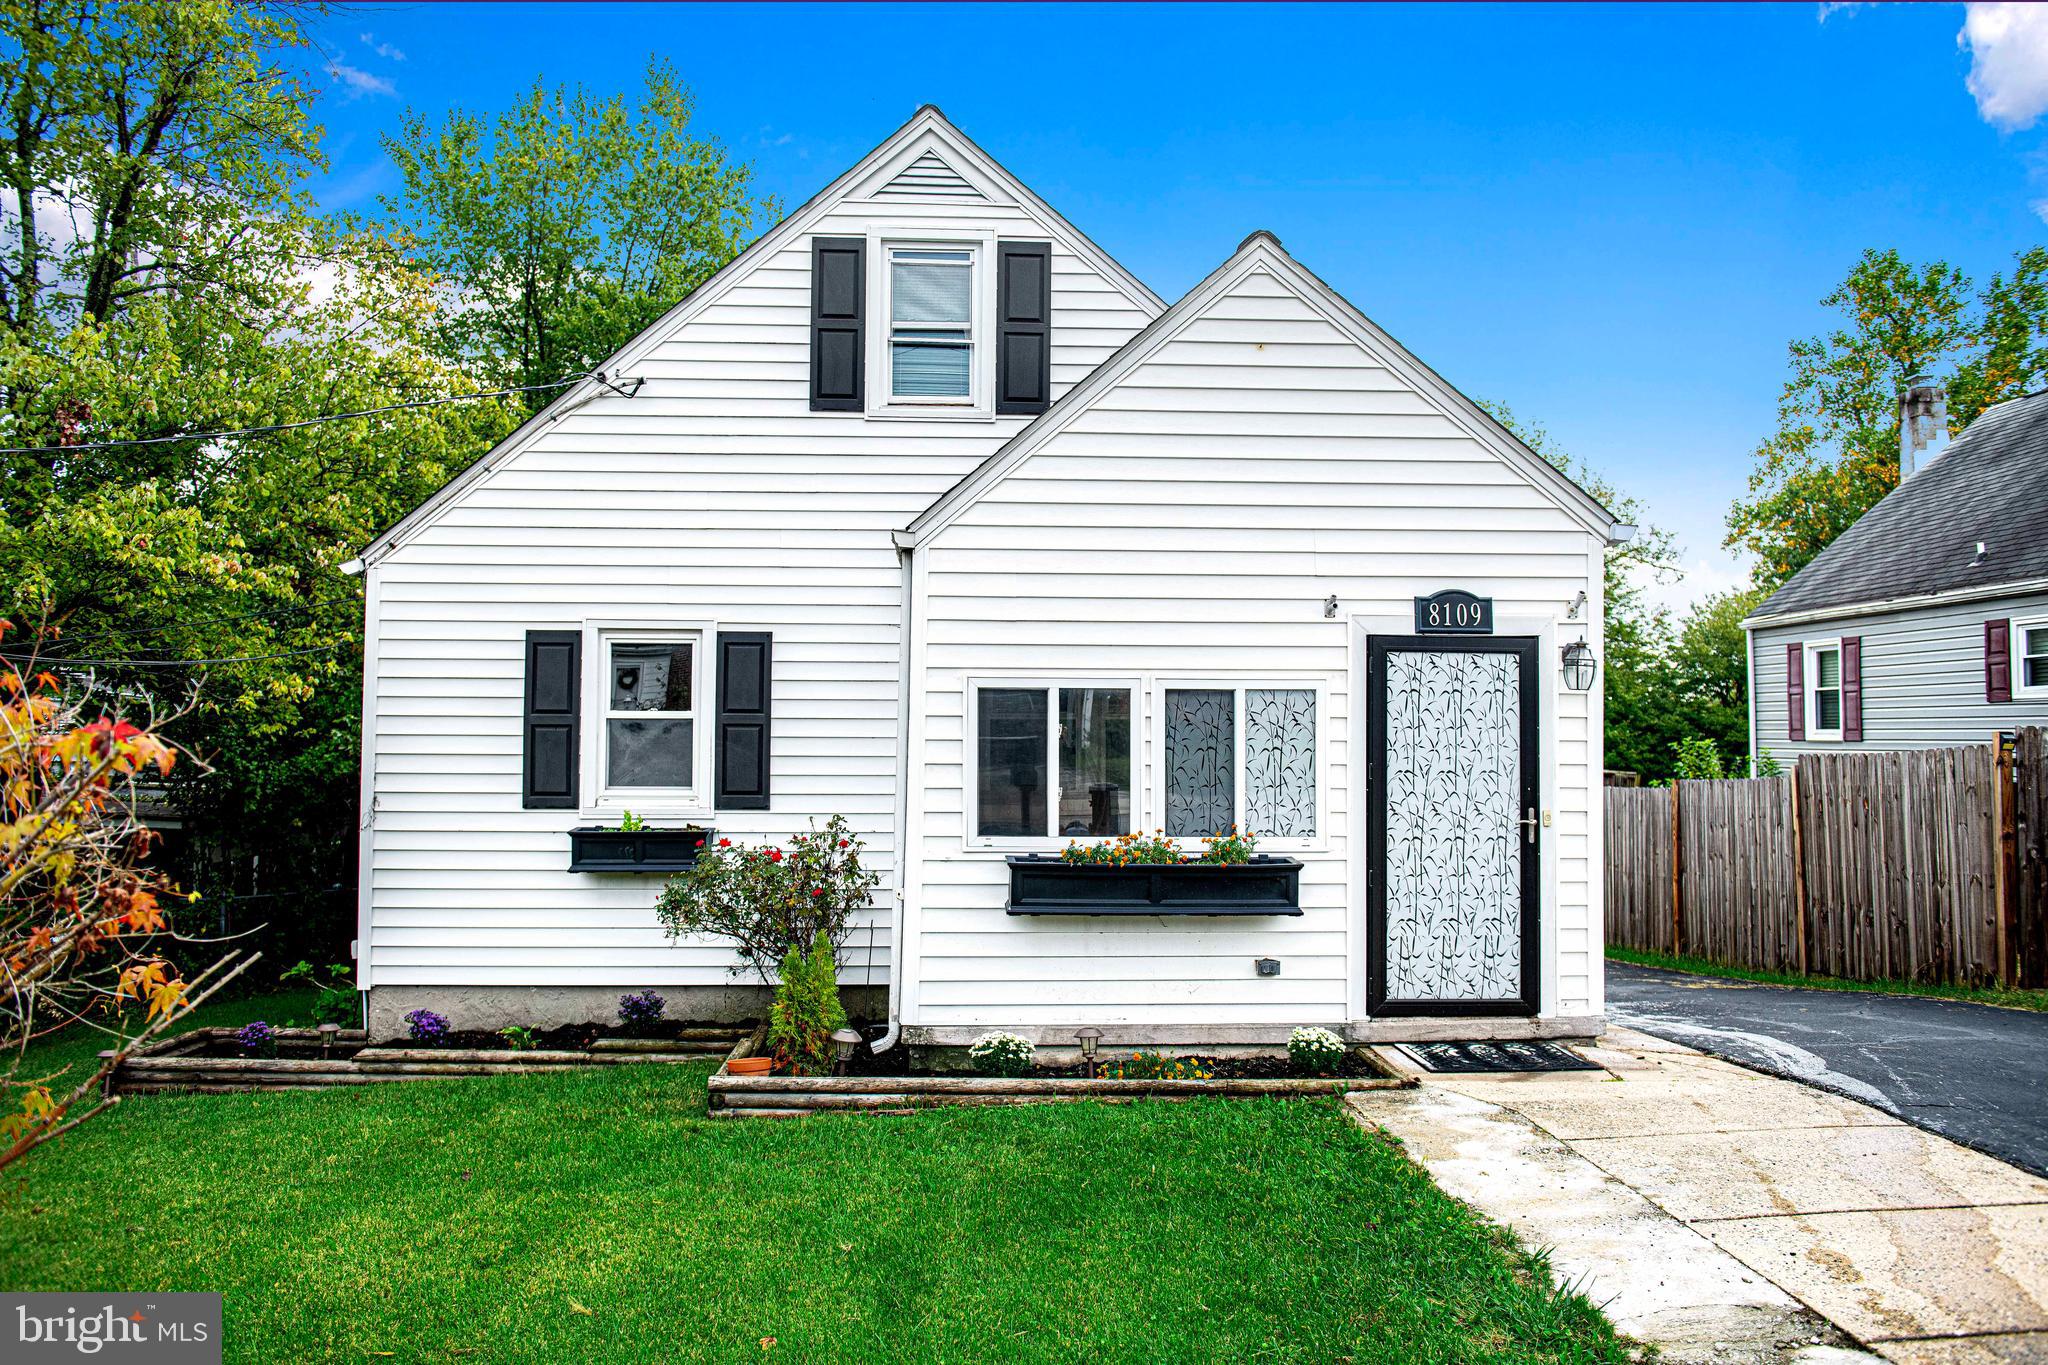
x=1677 y=896
x=1798 y=867
x=2005 y=839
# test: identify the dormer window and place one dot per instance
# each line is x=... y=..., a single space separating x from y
x=931 y=325
x=932 y=328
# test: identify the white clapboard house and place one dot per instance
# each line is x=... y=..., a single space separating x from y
x=926 y=512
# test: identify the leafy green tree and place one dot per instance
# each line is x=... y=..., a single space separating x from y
x=1836 y=448
x=570 y=224
x=1707 y=666
x=169 y=278
x=1643 y=719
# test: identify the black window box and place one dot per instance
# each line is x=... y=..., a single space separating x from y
x=596 y=849
x=1043 y=885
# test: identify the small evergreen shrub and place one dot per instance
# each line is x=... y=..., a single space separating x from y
x=427 y=1027
x=518 y=1039
x=806 y=1012
x=1001 y=1054
x=1315 y=1051
x=642 y=1010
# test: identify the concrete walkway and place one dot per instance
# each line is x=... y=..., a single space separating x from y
x=1732 y=1217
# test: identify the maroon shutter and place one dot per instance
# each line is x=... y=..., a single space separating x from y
x=1795 y=692
x=1997 y=661
x=1852 y=688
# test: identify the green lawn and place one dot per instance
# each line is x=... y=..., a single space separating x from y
x=1989 y=995
x=601 y=1216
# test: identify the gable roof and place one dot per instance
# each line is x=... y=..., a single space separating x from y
x=1920 y=540
x=926 y=138
x=1262 y=251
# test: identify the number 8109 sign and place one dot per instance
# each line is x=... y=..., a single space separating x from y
x=1453 y=612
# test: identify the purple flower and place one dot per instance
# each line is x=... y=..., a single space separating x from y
x=637 y=1011
x=256 y=1036
x=426 y=1026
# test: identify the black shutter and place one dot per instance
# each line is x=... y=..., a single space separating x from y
x=745 y=694
x=554 y=686
x=838 y=349
x=1023 y=326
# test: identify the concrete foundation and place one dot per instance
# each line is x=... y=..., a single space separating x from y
x=494 y=1007
x=1223 y=1038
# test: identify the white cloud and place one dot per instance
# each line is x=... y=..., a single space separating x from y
x=384 y=50
x=1703 y=576
x=2008 y=46
x=360 y=83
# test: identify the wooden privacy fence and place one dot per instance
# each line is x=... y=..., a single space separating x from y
x=1924 y=865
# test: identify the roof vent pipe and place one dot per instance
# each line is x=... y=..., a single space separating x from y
x=1923 y=424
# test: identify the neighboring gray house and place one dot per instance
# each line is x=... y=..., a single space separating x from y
x=1925 y=623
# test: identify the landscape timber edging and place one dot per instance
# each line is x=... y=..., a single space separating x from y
x=168 y=1064
x=791 y=1096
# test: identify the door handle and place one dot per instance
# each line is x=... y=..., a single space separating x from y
x=1529 y=824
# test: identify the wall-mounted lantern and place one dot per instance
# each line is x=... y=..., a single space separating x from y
x=1579 y=666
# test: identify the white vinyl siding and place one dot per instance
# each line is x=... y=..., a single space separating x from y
x=1187 y=528
x=1923 y=677
x=714 y=495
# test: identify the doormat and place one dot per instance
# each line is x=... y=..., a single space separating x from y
x=1481 y=1057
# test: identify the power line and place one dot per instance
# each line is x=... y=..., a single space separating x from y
x=307 y=422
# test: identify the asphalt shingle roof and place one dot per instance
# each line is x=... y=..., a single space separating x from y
x=1991 y=484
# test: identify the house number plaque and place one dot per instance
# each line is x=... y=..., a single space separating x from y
x=1453 y=612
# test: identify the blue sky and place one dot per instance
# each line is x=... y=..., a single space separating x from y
x=1611 y=218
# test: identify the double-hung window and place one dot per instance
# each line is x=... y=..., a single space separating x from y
x=2030 y=664
x=653 y=722
x=1242 y=757
x=931 y=302
x=1824 y=691
x=1052 y=761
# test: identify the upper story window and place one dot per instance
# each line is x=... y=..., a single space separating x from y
x=2030 y=668
x=1052 y=762
x=954 y=328
x=931 y=325
x=653 y=725
x=1824 y=691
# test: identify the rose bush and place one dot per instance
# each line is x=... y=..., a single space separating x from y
x=772 y=899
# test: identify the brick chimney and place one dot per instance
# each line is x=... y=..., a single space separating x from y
x=1923 y=424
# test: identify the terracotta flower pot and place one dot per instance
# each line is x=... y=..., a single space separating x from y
x=749 y=1066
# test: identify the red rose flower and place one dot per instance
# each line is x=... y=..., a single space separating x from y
x=817 y=891
x=725 y=843
x=774 y=855
x=842 y=843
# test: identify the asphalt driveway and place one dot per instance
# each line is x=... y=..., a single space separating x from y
x=1973 y=1073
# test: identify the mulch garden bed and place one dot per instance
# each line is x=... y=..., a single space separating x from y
x=867 y=1088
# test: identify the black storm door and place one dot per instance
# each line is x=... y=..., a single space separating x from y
x=1452 y=829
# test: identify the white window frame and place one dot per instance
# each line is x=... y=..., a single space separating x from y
x=2016 y=655
x=881 y=399
x=1238 y=686
x=1050 y=684
x=601 y=799
x=1815 y=731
